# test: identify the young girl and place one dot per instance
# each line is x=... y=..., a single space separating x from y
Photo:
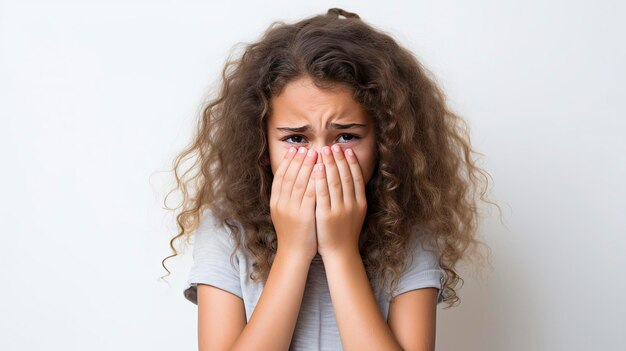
x=329 y=203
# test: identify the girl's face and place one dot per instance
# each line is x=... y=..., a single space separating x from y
x=304 y=115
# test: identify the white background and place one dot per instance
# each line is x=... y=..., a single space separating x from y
x=96 y=98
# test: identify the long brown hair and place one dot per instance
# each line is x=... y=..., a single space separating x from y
x=425 y=176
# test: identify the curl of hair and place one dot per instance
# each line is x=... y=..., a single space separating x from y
x=425 y=176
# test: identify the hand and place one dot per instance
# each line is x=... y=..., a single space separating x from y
x=292 y=204
x=341 y=203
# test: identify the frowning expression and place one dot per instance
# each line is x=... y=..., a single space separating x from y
x=305 y=115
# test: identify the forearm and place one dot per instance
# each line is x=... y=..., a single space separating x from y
x=359 y=319
x=273 y=321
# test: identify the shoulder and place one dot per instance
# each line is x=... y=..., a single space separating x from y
x=422 y=267
x=214 y=239
x=213 y=228
x=216 y=261
x=423 y=242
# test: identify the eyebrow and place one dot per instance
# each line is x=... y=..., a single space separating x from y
x=329 y=125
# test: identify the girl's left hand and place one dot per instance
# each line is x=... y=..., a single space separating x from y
x=341 y=203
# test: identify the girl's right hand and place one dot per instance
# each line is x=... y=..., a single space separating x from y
x=292 y=203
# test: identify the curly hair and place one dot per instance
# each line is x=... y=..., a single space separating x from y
x=424 y=178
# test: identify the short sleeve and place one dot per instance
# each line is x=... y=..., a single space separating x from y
x=212 y=265
x=423 y=270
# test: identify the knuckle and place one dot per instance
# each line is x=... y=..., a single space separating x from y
x=298 y=186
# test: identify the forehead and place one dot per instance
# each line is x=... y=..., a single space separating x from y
x=301 y=100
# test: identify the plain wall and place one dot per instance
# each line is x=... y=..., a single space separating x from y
x=96 y=99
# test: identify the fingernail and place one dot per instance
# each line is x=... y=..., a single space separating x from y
x=336 y=148
x=349 y=152
x=310 y=153
x=326 y=150
x=292 y=149
x=302 y=150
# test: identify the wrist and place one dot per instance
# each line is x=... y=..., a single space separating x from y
x=294 y=256
x=340 y=254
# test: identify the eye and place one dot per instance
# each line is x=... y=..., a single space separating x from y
x=350 y=137
x=297 y=136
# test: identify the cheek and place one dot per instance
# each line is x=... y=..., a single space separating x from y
x=276 y=155
x=271 y=152
x=365 y=156
x=274 y=162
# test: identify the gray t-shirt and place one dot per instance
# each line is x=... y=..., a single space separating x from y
x=316 y=326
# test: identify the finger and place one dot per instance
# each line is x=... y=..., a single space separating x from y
x=308 y=201
x=357 y=177
x=279 y=174
x=344 y=174
x=322 y=199
x=303 y=176
x=332 y=177
x=290 y=174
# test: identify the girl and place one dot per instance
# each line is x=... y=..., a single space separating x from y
x=329 y=205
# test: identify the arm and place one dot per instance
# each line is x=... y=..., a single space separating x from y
x=360 y=322
x=413 y=318
x=221 y=318
x=340 y=211
x=273 y=321
x=412 y=315
x=359 y=319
